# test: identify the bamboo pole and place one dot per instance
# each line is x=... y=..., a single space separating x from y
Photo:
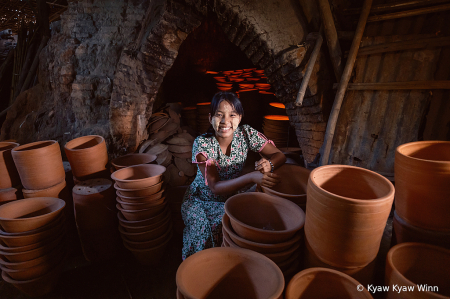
x=394 y=6
x=309 y=69
x=408 y=85
x=409 y=13
x=334 y=48
x=34 y=66
x=331 y=126
x=405 y=45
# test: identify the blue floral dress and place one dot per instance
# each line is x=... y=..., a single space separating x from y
x=202 y=211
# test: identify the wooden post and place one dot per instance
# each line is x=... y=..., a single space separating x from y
x=331 y=126
x=309 y=68
x=332 y=38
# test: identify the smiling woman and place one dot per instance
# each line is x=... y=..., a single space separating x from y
x=220 y=155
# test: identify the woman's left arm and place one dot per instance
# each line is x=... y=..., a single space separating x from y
x=271 y=156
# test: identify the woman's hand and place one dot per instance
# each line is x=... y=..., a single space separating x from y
x=263 y=165
x=266 y=179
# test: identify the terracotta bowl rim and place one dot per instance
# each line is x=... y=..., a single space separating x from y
x=138 y=211
x=400 y=148
x=147 y=249
x=56 y=222
x=365 y=202
x=122 y=219
x=169 y=233
x=115 y=164
x=118 y=200
x=30 y=191
x=132 y=190
x=140 y=197
x=282 y=195
x=114 y=174
x=8 y=143
x=18 y=149
x=56 y=241
x=161 y=223
x=66 y=146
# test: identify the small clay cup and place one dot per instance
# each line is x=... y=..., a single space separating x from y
x=146 y=228
x=147 y=235
x=139 y=205
x=148 y=198
x=150 y=243
x=88 y=157
x=142 y=223
x=132 y=160
x=9 y=177
x=136 y=215
x=30 y=213
x=53 y=191
x=144 y=192
x=262 y=218
x=229 y=273
x=324 y=283
x=151 y=255
x=39 y=164
x=139 y=176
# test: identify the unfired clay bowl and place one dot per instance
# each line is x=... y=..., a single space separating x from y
x=144 y=192
x=139 y=176
x=132 y=160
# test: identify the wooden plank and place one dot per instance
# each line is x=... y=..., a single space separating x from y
x=442 y=84
x=409 y=13
x=395 y=6
x=405 y=45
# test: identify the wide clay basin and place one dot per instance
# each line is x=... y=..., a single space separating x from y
x=139 y=176
x=263 y=218
x=132 y=160
x=224 y=272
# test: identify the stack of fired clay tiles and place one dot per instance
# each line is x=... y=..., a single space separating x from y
x=93 y=197
x=10 y=188
x=144 y=218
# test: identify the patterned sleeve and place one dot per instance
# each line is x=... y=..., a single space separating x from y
x=256 y=140
x=200 y=146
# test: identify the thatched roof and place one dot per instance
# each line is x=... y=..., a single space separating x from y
x=14 y=12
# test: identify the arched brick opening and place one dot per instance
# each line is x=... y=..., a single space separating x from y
x=140 y=72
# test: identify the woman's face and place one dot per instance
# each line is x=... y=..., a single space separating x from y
x=225 y=121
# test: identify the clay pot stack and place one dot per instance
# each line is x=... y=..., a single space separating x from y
x=32 y=244
x=292 y=186
x=347 y=209
x=266 y=224
x=10 y=188
x=276 y=128
x=422 y=268
x=189 y=116
x=144 y=219
x=229 y=273
x=422 y=176
x=203 y=117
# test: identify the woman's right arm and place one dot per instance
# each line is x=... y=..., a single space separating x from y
x=219 y=187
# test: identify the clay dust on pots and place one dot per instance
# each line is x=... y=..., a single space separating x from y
x=132 y=160
x=30 y=213
x=39 y=164
x=144 y=192
x=229 y=273
x=422 y=176
x=9 y=177
x=423 y=269
x=324 y=283
x=347 y=208
x=139 y=176
x=88 y=157
x=263 y=218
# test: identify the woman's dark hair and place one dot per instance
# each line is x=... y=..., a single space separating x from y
x=231 y=98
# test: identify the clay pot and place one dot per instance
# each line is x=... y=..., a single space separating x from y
x=262 y=218
x=132 y=160
x=146 y=235
x=46 y=258
x=293 y=184
x=88 y=157
x=143 y=192
x=139 y=176
x=422 y=175
x=323 y=283
x=150 y=243
x=10 y=194
x=413 y=264
x=138 y=205
x=39 y=164
x=140 y=229
x=179 y=295
x=39 y=286
x=287 y=264
x=136 y=215
x=9 y=177
x=149 y=198
x=28 y=214
x=258 y=247
x=347 y=208
x=143 y=223
x=54 y=191
x=405 y=232
x=229 y=273
x=149 y=256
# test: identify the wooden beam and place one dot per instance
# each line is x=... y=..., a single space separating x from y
x=331 y=125
x=408 y=85
x=334 y=48
x=405 y=45
x=391 y=6
x=409 y=13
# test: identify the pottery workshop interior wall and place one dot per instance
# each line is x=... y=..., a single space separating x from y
x=103 y=67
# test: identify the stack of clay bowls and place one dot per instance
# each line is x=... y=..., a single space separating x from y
x=132 y=160
x=157 y=122
x=324 y=283
x=276 y=127
x=347 y=209
x=9 y=177
x=292 y=186
x=32 y=245
x=203 y=117
x=144 y=219
x=229 y=273
x=422 y=205
x=265 y=224
x=96 y=220
x=180 y=147
x=88 y=157
x=189 y=117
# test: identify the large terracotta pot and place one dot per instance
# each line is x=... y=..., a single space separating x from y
x=39 y=164
x=324 y=283
x=416 y=264
x=88 y=157
x=229 y=273
x=347 y=208
x=422 y=176
x=9 y=177
x=57 y=191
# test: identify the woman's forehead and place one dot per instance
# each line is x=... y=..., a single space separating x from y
x=225 y=106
